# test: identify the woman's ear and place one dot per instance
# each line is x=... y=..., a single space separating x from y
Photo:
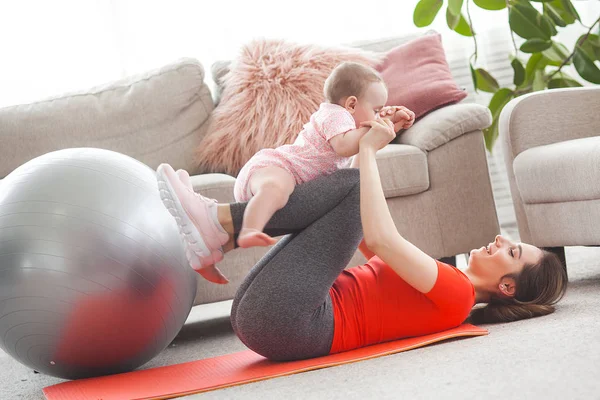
x=507 y=286
x=350 y=104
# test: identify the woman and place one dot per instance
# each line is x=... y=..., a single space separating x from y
x=298 y=301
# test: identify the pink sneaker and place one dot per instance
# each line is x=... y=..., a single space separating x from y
x=216 y=237
x=194 y=216
x=184 y=177
x=210 y=273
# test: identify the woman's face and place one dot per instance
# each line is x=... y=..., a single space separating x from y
x=501 y=257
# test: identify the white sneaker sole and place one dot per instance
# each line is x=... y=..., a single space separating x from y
x=192 y=238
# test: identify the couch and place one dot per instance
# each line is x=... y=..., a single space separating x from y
x=435 y=176
x=551 y=145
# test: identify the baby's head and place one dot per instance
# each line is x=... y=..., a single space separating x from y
x=357 y=88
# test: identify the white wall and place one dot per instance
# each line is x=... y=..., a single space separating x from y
x=51 y=47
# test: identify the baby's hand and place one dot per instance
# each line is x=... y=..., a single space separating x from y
x=402 y=117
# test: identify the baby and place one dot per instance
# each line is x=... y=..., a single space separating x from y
x=356 y=95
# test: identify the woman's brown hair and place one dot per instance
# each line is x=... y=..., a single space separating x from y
x=538 y=288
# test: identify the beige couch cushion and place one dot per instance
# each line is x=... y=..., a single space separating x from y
x=444 y=124
x=559 y=172
x=403 y=170
x=158 y=116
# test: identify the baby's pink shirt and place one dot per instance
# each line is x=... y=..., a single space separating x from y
x=311 y=155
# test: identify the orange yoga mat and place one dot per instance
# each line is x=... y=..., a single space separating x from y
x=228 y=370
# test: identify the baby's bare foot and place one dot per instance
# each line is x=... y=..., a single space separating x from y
x=253 y=237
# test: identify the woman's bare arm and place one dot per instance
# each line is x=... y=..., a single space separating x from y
x=368 y=254
x=380 y=234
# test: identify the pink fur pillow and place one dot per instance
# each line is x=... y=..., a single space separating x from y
x=418 y=76
x=270 y=92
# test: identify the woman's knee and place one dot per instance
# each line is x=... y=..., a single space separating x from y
x=352 y=176
x=281 y=334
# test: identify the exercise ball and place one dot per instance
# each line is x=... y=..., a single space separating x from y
x=93 y=274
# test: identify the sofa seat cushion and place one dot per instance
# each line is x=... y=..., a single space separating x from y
x=403 y=170
x=559 y=172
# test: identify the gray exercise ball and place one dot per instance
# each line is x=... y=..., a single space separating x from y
x=93 y=274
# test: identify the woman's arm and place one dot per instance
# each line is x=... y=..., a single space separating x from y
x=380 y=234
x=368 y=254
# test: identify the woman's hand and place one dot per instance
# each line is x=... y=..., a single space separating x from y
x=380 y=134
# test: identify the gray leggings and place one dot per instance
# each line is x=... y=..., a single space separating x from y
x=283 y=310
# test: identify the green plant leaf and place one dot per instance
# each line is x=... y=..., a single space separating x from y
x=499 y=100
x=591 y=45
x=536 y=62
x=554 y=15
x=490 y=135
x=548 y=25
x=585 y=66
x=473 y=76
x=562 y=79
x=594 y=40
x=556 y=54
x=541 y=1
x=451 y=19
x=485 y=81
x=569 y=9
x=535 y=45
x=463 y=27
x=490 y=4
x=556 y=9
x=425 y=12
x=563 y=75
x=538 y=80
x=527 y=22
x=519 y=72
x=454 y=6
x=556 y=83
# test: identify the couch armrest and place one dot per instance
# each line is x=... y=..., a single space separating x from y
x=215 y=186
x=549 y=116
x=444 y=124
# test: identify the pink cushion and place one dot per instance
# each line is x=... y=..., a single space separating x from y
x=418 y=76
